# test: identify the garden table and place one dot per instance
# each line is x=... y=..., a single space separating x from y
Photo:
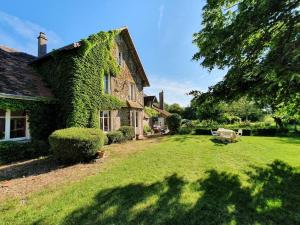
x=225 y=134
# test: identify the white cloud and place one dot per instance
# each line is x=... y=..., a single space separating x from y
x=161 y=15
x=22 y=34
x=174 y=91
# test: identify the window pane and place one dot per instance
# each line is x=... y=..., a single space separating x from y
x=18 y=113
x=17 y=127
x=2 y=128
x=101 y=123
x=106 y=124
x=137 y=119
x=106 y=85
x=2 y=112
x=105 y=114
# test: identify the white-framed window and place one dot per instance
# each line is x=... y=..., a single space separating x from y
x=107 y=89
x=105 y=121
x=13 y=125
x=134 y=118
x=2 y=124
x=132 y=92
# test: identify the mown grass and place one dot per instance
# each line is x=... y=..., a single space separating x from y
x=180 y=180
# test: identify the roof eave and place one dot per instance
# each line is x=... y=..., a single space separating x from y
x=25 y=97
x=125 y=32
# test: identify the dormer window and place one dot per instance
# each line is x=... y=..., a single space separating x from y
x=107 y=84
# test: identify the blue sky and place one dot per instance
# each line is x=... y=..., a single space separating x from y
x=162 y=31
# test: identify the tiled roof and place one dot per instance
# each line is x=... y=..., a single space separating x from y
x=17 y=78
x=135 y=105
x=163 y=113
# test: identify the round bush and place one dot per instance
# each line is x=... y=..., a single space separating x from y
x=128 y=132
x=115 y=137
x=185 y=130
x=76 y=144
x=173 y=123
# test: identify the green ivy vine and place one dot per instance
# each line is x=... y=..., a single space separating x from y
x=76 y=78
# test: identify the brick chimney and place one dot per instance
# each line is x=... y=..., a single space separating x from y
x=161 y=100
x=42 y=44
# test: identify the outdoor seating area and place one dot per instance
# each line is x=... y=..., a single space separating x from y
x=226 y=135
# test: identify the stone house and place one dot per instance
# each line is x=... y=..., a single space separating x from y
x=24 y=79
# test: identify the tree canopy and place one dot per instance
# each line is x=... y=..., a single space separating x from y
x=258 y=41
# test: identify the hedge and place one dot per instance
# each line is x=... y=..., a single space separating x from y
x=128 y=132
x=76 y=144
x=248 y=131
x=12 y=151
x=115 y=137
x=173 y=121
x=185 y=130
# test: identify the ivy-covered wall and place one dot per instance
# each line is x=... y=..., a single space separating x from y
x=76 y=80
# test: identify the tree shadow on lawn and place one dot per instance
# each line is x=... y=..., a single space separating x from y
x=273 y=197
x=185 y=138
x=290 y=140
x=219 y=142
x=29 y=168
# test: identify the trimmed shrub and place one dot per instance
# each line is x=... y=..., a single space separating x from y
x=173 y=123
x=203 y=131
x=270 y=132
x=146 y=129
x=246 y=131
x=12 y=151
x=185 y=130
x=76 y=144
x=105 y=140
x=115 y=137
x=128 y=132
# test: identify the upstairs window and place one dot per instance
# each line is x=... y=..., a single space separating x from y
x=132 y=92
x=107 y=84
x=120 y=58
x=105 y=120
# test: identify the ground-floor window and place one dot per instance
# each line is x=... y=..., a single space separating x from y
x=2 y=124
x=105 y=120
x=134 y=118
x=13 y=125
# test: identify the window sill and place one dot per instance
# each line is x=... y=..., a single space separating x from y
x=16 y=139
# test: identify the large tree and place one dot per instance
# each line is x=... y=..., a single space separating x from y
x=258 y=41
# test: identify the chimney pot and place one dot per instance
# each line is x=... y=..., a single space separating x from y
x=161 y=100
x=42 y=44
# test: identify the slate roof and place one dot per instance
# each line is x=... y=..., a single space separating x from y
x=134 y=105
x=152 y=99
x=17 y=78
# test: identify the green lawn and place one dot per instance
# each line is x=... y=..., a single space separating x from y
x=178 y=180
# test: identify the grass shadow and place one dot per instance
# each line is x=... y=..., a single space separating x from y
x=29 y=168
x=218 y=142
x=273 y=197
x=290 y=140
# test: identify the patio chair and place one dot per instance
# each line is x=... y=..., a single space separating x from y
x=214 y=133
x=239 y=133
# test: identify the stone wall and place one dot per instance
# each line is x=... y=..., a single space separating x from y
x=120 y=85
